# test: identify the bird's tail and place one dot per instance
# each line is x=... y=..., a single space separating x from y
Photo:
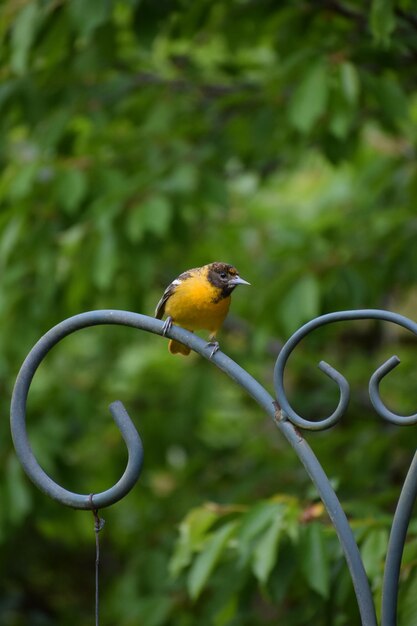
x=175 y=347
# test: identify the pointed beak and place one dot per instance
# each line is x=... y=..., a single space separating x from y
x=238 y=281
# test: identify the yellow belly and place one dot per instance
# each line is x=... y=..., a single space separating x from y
x=191 y=306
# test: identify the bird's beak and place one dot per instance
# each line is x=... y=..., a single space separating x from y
x=238 y=281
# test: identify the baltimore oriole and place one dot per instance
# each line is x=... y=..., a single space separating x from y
x=198 y=299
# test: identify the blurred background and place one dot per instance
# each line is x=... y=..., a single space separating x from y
x=139 y=139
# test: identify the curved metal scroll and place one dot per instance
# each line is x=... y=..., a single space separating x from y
x=24 y=450
x=409 y=491
x=342 y=383
x=284 y=418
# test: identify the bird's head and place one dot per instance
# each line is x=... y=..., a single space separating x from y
x=224 y=276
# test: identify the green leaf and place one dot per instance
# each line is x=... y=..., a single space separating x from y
x=349 y=79
x=265 y=553
x=310 y=99
x=7 y=90
x=24 y=181
x=154 y=610
x=410 y=553
x=341 y=122
x=407 y=606
x=53 y=128
x=19 y=498
x=393 y=101
x=183 y=179
x=382 y=20
x=87 y=16
x=9 y=235
x=71 y=188
x=207 y=560
x=153 y=215
x=301 y=303
x=23 y=34
x=314 y=559
x=71 y=240
x=192 y=532
x=106 y=258
x=373 y=552
x=255 y=521
x=227 y=612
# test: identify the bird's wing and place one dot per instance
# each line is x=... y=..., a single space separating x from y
x=160 y=307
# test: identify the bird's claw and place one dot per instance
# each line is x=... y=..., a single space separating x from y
x=167 y=325
x=215 y=345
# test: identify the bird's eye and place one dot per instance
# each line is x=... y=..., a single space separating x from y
x=223 y=275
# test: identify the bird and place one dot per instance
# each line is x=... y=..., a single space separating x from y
x=198 y=299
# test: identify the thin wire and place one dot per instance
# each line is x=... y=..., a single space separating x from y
x=98 y=525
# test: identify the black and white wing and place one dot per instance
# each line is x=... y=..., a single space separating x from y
x=160 y=307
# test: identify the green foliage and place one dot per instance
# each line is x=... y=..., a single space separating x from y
x=289 y=550
x=138 y=139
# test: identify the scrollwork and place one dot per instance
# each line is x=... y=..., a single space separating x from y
x=344 y=390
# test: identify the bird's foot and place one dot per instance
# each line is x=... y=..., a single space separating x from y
x=215 y=345
x=167 y=325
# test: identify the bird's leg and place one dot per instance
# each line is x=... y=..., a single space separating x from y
x=214 y=343
x=167 y=325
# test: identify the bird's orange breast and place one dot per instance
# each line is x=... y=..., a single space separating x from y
x=193 y=304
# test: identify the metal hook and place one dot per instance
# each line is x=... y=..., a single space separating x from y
x=24 y=450
x=327 y=422
x=342 y=383
x=379 y=406
x=119 y=413
x=331 y=372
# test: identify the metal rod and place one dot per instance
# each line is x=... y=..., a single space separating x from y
x=20 y=437
x=285 y=419
x=320 y=480
x=377 y=376
x=409 y=491
x=396 y=543
x=330 y=318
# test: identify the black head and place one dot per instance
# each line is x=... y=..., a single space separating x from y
x=224 y=276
